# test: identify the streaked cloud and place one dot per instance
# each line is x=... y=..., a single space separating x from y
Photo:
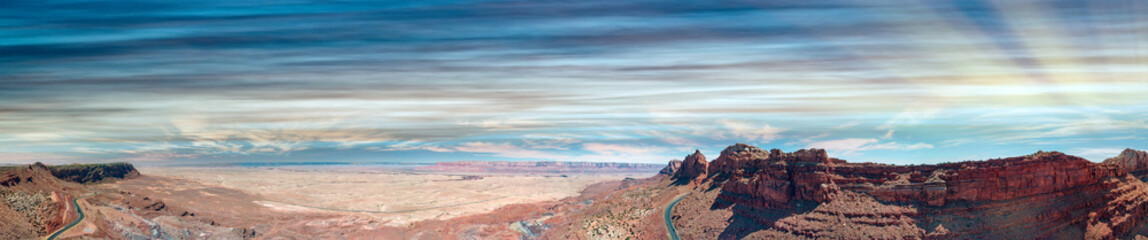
x=745 y=131
x=1095 y=154
x=505 y=150
x=635 y=80
x=852 y=146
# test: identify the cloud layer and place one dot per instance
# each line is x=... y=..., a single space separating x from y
x=632 y=81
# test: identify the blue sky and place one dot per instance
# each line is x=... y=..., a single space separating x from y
x=907 y=82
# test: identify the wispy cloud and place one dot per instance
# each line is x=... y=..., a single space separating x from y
x=1089 y=124
x=564 y=80
x=746 y=131
x=506 y=150
x=847 y=125
x=1095 y=154
x=853 y=146
x=412 y=145
x=505 y=124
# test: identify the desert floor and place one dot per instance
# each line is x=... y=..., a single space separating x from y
x=398 y=197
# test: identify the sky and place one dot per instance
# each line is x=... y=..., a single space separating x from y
x=902 y=82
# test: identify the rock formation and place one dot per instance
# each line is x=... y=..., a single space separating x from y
x=693 y=166
x=1130 y=160
x=671 y=168
x=773 y=178
x=1041 y=195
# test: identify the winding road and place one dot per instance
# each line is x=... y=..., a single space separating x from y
x=80 y=213
x=670 y=230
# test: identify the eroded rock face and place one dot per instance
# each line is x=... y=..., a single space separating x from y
x=1130 y=160
x=734 y=158
x=992 y=180
x=771 y=179
x=1123 y=207
x=811 y=175
x=693 y=166
x=854 y=216
x=1115 y=200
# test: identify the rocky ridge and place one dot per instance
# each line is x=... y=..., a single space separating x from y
x=1044 y=194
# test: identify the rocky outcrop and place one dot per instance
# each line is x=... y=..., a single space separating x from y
x=992 y=180
x=771 y=179
x=734 y=158
x=1130 y=160
x=94 y=173
x=693 y=166
x=671 y=168
x=543 y=167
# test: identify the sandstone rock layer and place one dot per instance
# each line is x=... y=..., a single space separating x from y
x=1043 y=195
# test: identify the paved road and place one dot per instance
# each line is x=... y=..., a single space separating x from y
x=670 y=230
x=80 y=213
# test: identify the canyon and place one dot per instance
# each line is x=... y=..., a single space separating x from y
x=744 y=193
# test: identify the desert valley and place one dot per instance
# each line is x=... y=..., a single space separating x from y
x=573 y=120
x=746 y=192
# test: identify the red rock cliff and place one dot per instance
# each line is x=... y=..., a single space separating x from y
x=1052 y=190
x=771 y=179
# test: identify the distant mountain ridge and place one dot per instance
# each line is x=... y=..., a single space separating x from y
x=543 y=167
